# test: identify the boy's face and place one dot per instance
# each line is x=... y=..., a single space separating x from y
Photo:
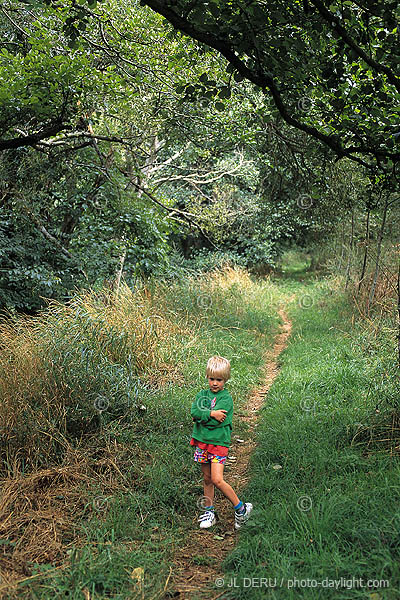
x=216 y=384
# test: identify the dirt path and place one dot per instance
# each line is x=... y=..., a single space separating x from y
x=194 y=570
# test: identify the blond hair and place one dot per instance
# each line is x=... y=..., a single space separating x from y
x=217 y=366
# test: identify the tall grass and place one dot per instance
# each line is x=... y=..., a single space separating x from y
x=76 y=366
x=222 y=298
x=326 y=500
x=97 y=437
x=61 y=370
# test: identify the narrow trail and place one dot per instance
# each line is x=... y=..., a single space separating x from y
x=190 y=579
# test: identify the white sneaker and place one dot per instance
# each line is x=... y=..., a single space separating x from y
x=242 y=518
x=207 y=519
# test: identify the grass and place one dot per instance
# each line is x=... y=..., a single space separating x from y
x=293 y=262
x=100 y=471
x=99 y=487
x=331 y=510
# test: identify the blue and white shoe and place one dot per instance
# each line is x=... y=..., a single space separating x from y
x=207 y=519
x=241 y=518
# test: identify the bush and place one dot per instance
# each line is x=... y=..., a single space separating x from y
x=78 y=366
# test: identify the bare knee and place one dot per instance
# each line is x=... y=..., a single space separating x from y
x=217 y=480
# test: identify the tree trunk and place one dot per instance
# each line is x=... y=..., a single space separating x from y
x=341 y=257
x=365 y=253
x=350 y=259
x=118 y=275
x=398 y=310
x=378 y=254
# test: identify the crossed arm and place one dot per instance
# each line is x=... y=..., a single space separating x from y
x=219 y=414
x=211 y=417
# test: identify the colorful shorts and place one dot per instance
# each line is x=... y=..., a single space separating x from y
x=203 y=456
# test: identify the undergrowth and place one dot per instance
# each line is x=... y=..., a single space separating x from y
x=325 y=489
x=95 y=410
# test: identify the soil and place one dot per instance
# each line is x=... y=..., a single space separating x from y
x=197 y=564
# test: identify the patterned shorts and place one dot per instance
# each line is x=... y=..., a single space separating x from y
x=203 y=456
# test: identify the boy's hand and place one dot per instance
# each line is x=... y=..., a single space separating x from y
x=219 y=415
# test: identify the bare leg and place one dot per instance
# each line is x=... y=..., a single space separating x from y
x=208 y=485
x=217 y=478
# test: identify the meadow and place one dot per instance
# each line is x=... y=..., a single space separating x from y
x=97 y=475
x=325 y=474
x=99 y=488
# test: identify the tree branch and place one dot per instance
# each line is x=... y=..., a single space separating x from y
x=87 y=135
x=265 y=81
x=46 y=234
x=334 y=22
x=32 y=139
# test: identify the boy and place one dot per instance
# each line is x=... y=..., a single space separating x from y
x=212 y=413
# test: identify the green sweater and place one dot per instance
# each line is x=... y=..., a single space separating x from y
x=207 y=429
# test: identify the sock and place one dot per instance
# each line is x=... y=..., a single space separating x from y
x=209 y=508
x=240 y=508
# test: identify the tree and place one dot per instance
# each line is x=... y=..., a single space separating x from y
x=327 y=70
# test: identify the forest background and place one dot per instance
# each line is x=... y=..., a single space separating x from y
x=164 y=167
x=130 y=149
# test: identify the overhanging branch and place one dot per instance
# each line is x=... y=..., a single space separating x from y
x=264 y=81
x=32 y=139
x=334 y=22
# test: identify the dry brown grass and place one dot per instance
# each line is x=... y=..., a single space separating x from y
x=39 y=512
x=381 y=436
x=124 y=323
x=385 y=296
x=53 y=366
x=51 y=363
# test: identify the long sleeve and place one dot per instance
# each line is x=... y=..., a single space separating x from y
x=223 y=403
x=201 y=408
x=206 y=428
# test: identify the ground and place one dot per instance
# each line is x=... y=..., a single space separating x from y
x=197 y=564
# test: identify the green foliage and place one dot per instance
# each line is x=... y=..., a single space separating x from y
x=31 y=268
x=90 y=222
x=329 y=507
x=331 y=72
x=136 y=154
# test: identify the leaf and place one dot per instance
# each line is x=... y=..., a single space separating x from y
x=218 y=537
x=277 y=467
x=225 y=92
x=214 y=10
